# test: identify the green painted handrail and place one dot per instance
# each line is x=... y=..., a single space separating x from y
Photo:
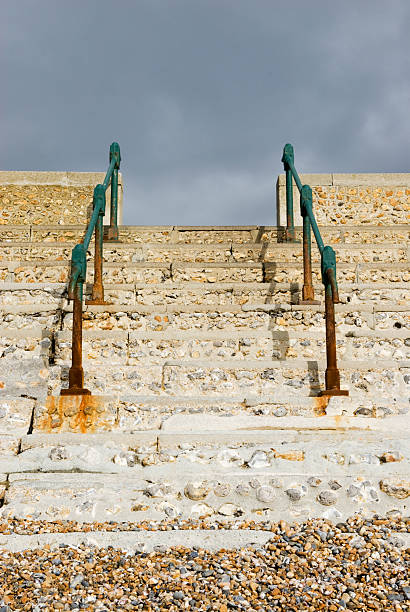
x=78 y=272
x=328 y=264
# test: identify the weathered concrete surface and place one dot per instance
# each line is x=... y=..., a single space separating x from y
x=204 y=422
x=376 y=198
x=141 y=541
x=148 y=541
x=76 y=413
x=15 y=418
x=51 y=197
x=207 y=253
x=198 y=491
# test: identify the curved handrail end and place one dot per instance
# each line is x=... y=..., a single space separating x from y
x=288 y=154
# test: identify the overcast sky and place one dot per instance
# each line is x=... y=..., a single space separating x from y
x=203 y=94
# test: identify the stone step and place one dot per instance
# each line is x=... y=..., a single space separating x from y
x=151 y=272
x=262 y=317
x=208 y=253
x=133 y=348
x=133 y=411
x=263 y=377
x=264 y=480
x=12 y=293
x=134 y=542
x=256 y=377
x=265 y=317
x=167 y=454
x=333 y=234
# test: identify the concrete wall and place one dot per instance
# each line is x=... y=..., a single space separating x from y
x=352 y=199
x=64 y=198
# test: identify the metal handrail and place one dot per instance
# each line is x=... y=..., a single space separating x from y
x=79 y=266
x=328 y=266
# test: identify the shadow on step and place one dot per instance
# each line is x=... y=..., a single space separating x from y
x=314 y=382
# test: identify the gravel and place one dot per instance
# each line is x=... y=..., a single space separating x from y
x=357 y=565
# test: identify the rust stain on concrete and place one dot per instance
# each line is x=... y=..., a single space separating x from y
x=291 y=455
x=75 y=413
x=320 y=405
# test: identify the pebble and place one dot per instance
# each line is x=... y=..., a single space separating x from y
x=327 y=497
x=358 y=564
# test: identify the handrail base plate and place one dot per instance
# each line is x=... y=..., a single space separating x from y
x=97 y=303
x=75 y=391
x=334 y=392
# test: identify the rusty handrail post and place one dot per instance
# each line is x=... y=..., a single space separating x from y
x=76 y=372
x=308 y=292
x=111 y=232
x=98 y=287
x=332 y=375
x=79 y=267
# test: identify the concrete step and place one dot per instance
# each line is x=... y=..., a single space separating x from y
x=169 y=453
x=133 y=348
x=233 y=473
x=134 y=541
x=255 y=377
x=25 y=404
x=12 y=293
x=185 y=421
x=279 y=272
x=204 y=253
x=264 y=317
x=334 y=234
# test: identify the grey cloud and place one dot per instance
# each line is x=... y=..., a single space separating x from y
x=203 y=94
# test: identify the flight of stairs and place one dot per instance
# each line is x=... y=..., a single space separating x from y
x=205 y=374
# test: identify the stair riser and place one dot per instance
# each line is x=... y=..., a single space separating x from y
x=240 y=380
x=178 y=380
x=139 y=351
x=231 y=497
x=50 y=320
x=247 y=273
x=187 y=253
x=135 y=235
x=297 y=321
x=159 y=296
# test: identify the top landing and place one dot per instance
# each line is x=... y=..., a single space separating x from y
x=65 y=198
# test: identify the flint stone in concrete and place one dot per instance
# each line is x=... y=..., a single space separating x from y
x=396 y=487
x=197 y=490
x=327 y=498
